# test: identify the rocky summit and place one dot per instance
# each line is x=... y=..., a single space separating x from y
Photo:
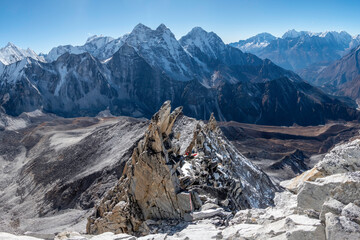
x=173 y=174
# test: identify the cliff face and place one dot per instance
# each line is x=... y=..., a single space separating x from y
x=177 y=167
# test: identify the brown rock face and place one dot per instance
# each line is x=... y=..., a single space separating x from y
x=154 y=183
x=149 y=187
x=172 y=172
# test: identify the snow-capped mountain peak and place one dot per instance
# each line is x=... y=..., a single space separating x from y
x=10 y=44
x=60 y=50
x=295 y=34
x=197 y=31
x=162 y=27
x=207 y=42
x=337 y=36
x=103 y=47
x=96 y=45
x=340 y=37
x=161 y=50
x=11 y=53
x=264 y=37
x=297 y=50
x=200 y=33
x=91 y=38
x=97 y=42
x=254 y=43
x=140 y=28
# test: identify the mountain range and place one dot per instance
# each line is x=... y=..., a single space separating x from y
x=134 y=74
x=297 y=50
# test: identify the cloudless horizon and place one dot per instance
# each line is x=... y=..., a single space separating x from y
x=44 y=24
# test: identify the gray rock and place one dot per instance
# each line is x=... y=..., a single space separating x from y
x=349 y=190
x=188 y=217
x=341 y=159
x=185 y=202
x=207 y=213
x=339 y=227
x=208 y=206
x=331 y=205
x=343 y=187
x=352 y=212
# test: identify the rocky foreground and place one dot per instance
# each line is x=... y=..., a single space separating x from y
x=196 y=178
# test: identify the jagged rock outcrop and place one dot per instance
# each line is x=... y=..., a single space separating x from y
x=177 y=167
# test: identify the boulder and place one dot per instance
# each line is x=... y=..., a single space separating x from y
x=341 y=159
x=349 y=190
x=331 y=205
x=208 y=206
x=295 y=227
x=351 y=212
x=208 y=213
x=184 y=200
x=294 y=184
x=339 y=227
x=342 y=187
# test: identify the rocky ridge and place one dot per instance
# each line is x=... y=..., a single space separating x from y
x=172 y=177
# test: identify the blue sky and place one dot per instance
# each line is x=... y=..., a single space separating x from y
x=43 y=24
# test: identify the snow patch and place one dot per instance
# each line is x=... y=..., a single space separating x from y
x=62 y=72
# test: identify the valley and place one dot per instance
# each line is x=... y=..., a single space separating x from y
x=285 y=152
